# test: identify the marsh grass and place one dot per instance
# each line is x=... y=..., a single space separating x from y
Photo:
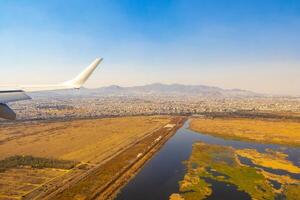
x=258 y=130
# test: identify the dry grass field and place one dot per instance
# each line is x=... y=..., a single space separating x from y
x=80 y=140
x=265 y=131
x=15 y=183
x=85 y=141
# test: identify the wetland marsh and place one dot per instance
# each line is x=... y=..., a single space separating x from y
x=193 y=165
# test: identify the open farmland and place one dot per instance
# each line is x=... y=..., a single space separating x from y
x=14 y=183
x=80 y=140
x=86 y=142
x=264 y=131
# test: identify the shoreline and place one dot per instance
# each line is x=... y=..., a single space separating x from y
x=133 y=169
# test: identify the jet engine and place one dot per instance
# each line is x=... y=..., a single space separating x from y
x=6 y=112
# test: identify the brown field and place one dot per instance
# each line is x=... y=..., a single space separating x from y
x=15 y=183
x=264 y=131
x=86 y=141
x=80 y=140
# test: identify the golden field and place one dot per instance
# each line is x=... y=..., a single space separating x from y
x=84 y=141
x=80 y=140
x=264 y=131
x=15 y=183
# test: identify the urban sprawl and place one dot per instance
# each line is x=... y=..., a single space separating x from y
x=82 y=107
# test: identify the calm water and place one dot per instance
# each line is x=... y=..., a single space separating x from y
x=159 y=177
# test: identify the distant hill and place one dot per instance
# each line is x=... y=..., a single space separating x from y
x=154 y=89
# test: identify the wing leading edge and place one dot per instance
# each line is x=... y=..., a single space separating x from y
x=9 y=95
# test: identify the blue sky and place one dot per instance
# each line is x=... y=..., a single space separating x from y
x=248 y=44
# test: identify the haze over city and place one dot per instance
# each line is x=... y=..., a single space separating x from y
x=250 y=45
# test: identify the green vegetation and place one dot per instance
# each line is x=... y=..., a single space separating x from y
x=35 y=162
x=271 y=159
x=193 y=187
x=219 y=163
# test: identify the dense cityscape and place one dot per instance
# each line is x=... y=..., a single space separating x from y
x=78 y=107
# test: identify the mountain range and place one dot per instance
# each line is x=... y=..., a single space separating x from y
x=156 y=89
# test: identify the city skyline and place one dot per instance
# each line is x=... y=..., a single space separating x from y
x=250 y=45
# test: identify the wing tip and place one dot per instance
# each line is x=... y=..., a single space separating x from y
x=84 y=76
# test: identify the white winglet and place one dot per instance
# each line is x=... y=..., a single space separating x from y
x=75 y=83
x=83 y=76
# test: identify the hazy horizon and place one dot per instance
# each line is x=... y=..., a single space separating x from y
x=174 y=83
x=251 y=45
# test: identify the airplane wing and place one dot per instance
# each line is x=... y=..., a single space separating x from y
x=11 y=95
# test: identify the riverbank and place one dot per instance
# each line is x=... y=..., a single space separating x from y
x=106 y=179
x=129 y=172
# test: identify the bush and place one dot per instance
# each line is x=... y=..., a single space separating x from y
x=35 y=162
